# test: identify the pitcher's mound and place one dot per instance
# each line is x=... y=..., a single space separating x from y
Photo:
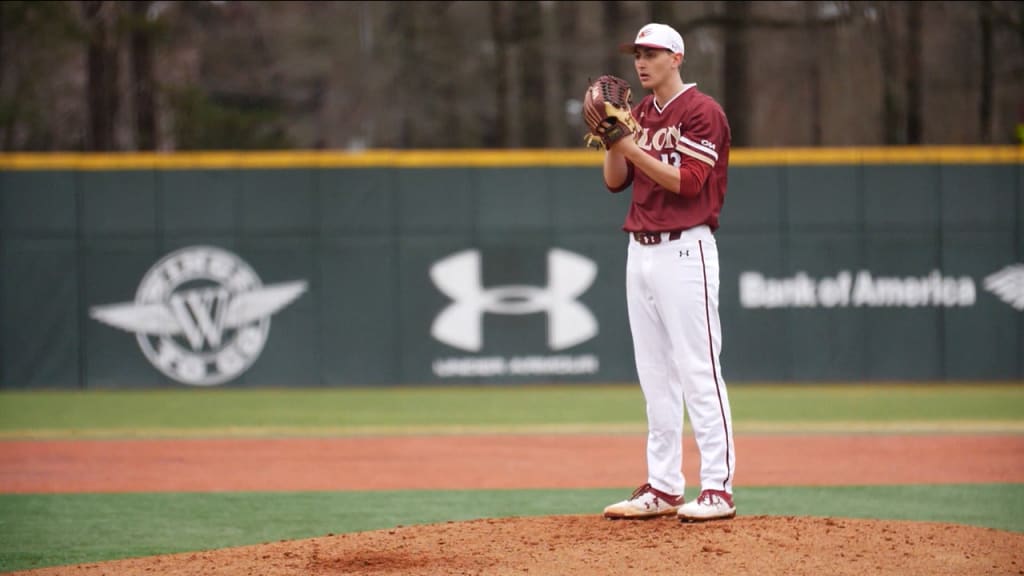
x=592 y=545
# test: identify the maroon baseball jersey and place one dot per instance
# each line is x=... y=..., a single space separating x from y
x=692 y=133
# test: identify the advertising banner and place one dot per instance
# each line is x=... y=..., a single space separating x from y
x=475 y=268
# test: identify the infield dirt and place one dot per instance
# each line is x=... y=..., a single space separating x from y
x=578 y=544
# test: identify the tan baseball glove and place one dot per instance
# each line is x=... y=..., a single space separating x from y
x=607 y=107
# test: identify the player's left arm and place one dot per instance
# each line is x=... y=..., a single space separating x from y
x=697 y=150
x=666 y=175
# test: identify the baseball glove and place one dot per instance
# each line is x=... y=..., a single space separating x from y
x=606 y=111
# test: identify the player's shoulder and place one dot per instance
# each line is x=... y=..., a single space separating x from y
x=699 y=102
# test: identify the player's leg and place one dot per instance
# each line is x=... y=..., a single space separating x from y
x=688 y=294
x=715 y=433
x=662 y=394
x=658 y=379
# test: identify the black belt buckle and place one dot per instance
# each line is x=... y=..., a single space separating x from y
x=652 y=238
x=647 y=238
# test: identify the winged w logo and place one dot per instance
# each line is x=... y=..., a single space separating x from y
x=201 y=315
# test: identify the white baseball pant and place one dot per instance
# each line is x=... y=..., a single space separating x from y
x=672 y=300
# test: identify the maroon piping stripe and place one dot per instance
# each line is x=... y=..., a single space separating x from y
x=714 y=369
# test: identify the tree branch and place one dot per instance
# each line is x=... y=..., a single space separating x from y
x=731 y=22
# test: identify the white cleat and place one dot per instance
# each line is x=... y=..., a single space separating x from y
x=646 y=502
x=710 y=505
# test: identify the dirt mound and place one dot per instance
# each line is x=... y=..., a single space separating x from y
x=762 y=545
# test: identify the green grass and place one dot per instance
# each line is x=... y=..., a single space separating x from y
x=226 y=411
x=50 y=530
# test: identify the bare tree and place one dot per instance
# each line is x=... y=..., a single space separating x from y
x=914 y=74
x=986 y=78
x=4 y=18
x=567 y=14
x=529 y=33
x=737 y=78
x=404 y=24
x=103 y=69
x=611 y=17
x=144 y=93
x=736 y=21
x=661 y=11
x=814 y=74
x=457 y=74
x=501 y=80
x=892 y=113
x=554 y=88
x=900 y=27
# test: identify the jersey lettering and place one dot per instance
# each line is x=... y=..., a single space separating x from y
x=661 y=139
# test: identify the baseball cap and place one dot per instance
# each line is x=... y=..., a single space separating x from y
x=656 y=35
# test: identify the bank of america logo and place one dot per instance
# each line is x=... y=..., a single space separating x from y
x=1008 y=285
x=201 y=315
x=460 y=325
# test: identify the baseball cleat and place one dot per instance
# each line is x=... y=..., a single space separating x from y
x=710 y=505
x=646 y=502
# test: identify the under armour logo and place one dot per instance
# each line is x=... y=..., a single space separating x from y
x=461 y=323
x=1008 y=285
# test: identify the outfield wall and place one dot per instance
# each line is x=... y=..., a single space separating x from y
x=420 y=268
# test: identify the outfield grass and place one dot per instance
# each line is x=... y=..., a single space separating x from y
x=344 y=411
x=48 y=530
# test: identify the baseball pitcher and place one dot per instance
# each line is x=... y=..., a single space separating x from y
x=673 y=149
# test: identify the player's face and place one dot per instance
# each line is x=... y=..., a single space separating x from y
x=653 y=66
